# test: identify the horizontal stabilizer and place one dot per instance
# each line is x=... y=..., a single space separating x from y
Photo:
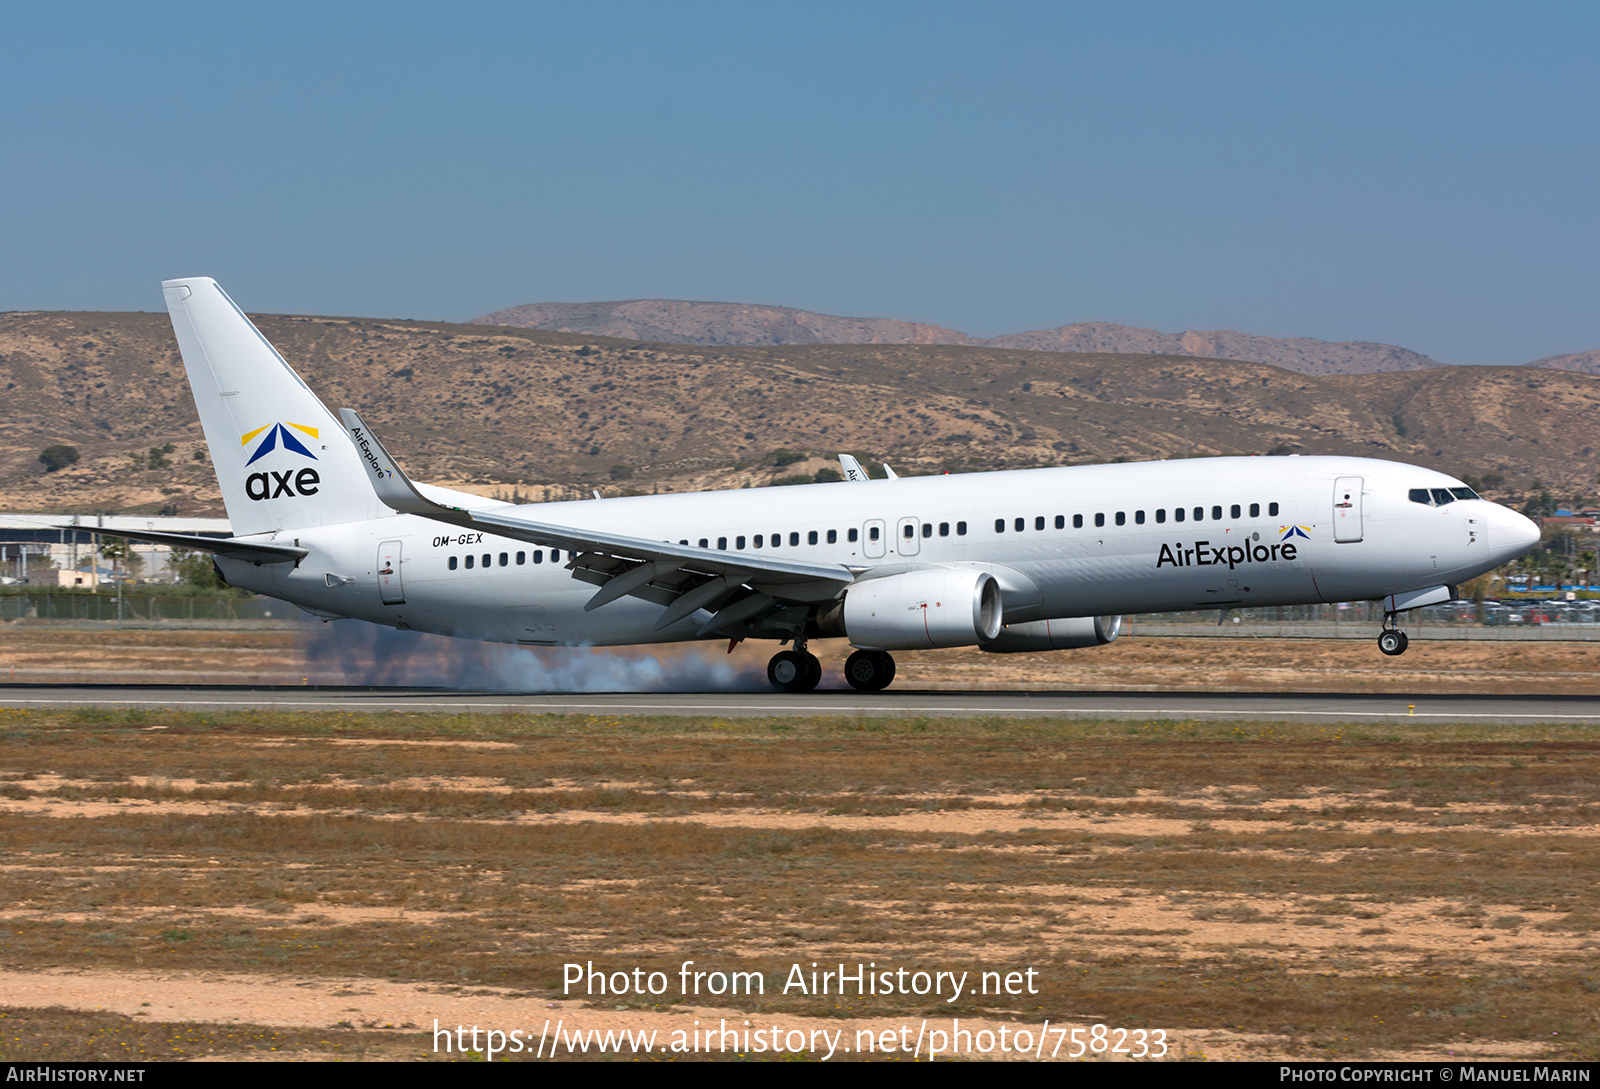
x=230 y=547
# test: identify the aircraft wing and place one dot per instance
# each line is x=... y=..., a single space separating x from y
x=251 y=551
x=681 y=577
x=851 y=468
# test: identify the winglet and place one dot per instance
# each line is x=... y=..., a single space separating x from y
x=852 y=468
x=394 y=488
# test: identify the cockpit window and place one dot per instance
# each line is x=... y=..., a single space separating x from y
x=1441 y=496
x=1420 y=495
x=1465 y=493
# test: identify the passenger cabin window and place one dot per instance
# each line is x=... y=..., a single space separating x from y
x=852 y=536
x=505 y=560
x=758 y=540
x=538 y=557
x=1177 y=514
x=469 y=563
x=1255 y=510
x=1122 y=518
x=1061 y=521
x=722 y=543
x=872 y=534
x=1235 y=511
x=927 y=529
x=794 y=540
x=811 y=537
x=1272 y=509
x=1021 y=522
x=1099 y=519
x=1161 y=515
x=961 y=529
x=704 y=543
x=944 y=529
x=522 y=559
x=1138 y=517
x=1216 y=514
x=833 y=536
x=999 y=525
x=1038 y=523
x=738 y=544
x=453 y=564
x=909 y=532
x=1077 y=521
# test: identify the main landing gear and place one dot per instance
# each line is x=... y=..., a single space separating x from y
x=799 y=671
x=794 y=671
x=869 y=670
x=1391 y=640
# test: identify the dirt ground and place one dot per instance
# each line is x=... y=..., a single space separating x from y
x=264 y=886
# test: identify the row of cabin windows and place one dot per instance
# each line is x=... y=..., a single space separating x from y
x=1179 y=514
x=909 y=531
x=487 y=559
x=830 y=536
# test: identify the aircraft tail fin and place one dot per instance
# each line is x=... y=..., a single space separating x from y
x=280 y=455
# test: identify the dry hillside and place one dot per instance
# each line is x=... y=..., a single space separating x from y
x=729 y=324
x=1587 y=362
x=498 y=409
x=718 y=324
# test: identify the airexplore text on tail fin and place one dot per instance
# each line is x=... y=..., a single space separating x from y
x=281 y=457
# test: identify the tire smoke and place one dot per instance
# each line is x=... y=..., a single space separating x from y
x=357 y=653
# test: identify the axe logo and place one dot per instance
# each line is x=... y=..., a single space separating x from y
x=273 y=484
x=276 y=485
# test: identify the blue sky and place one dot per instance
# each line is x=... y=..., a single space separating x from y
x=1419 y=174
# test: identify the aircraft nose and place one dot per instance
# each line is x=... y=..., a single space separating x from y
x=1510 y=534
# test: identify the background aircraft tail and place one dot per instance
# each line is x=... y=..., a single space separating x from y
x=282 y=458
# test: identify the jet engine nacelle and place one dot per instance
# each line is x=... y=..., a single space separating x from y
x=918 y=610
x=1068 y=634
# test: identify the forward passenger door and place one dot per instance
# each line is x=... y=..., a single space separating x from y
x=1347 y=509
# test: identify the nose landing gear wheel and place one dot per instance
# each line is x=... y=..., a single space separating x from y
x=1392 y=641
x=869 y=670
x=791 y=671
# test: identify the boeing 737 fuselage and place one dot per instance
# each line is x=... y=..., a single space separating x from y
x=1029 y=560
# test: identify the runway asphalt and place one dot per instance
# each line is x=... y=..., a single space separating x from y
x=1308 y=707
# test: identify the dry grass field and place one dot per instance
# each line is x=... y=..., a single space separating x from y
x=261 y=885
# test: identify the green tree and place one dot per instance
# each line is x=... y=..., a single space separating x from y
x=122 y=556
x=58 y=456
x=194 y=569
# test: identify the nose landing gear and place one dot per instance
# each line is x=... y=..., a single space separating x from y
x=1391 y=640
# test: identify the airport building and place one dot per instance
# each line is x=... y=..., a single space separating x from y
x=56 y=549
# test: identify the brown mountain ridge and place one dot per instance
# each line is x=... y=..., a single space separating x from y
x=728 y=324
x=548 y=414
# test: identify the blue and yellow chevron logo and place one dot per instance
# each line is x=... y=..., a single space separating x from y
x=278 y=432
x=1289 y=533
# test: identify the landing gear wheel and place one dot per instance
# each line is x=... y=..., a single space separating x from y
x=790 y=671
x=1392 y=641
x=869 y=670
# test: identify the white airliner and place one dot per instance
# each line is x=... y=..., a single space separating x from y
x=1029 y=560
